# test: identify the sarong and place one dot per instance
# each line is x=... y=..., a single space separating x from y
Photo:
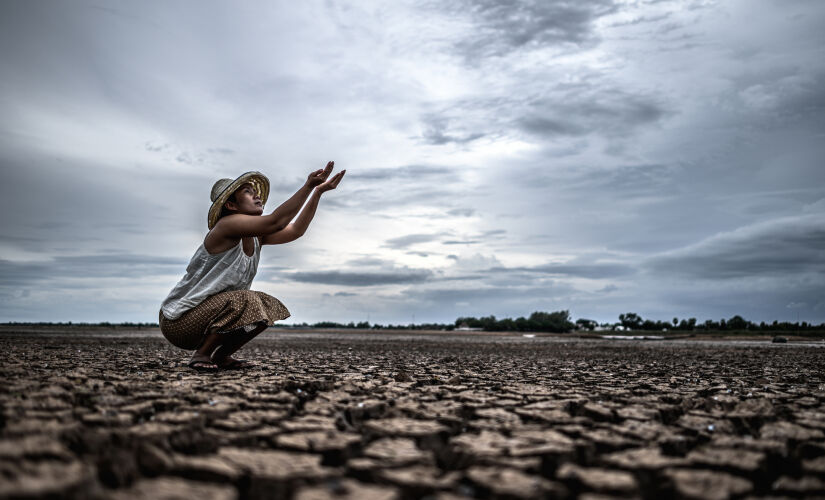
x=226 y=313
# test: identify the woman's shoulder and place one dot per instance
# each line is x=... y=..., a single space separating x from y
x=215 y=245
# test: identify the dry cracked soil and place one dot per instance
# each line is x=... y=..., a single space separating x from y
x=407 y=416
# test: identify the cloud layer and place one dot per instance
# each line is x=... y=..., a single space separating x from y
x=503 y=156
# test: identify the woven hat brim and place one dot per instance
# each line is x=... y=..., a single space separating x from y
x=258 y=180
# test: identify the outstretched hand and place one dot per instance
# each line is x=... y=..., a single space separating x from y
x=332 y=182
x=320 y=175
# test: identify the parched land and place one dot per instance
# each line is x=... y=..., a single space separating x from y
x=405 y=415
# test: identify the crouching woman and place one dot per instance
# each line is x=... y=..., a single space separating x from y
x=212 y=309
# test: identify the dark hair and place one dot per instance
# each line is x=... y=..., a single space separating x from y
x=224 y=210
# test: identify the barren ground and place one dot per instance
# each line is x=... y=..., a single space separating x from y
x=406 y=415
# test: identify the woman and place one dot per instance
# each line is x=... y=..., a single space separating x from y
x=212 y=310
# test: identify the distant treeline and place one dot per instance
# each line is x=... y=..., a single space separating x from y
x=560 y=322
x=553 y=322
x=633 y=321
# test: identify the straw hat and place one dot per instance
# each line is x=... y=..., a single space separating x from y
x=224 y=188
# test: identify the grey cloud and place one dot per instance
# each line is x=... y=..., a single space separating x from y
x=268 y=272
x=368 y=261
x=779 y=247
x=507 y=25
x=467 y=277
x=756 y=300
x=783 y=96
x=626 y=180
x=418 y=186
x=578 y=270
x=25 y=241
x=496 y=233
x=462 y=212
x=348 y=278
x=591 y=105
x=410 y=239
x=461 y=242
x=14 y=274
x=543 y=125
x=481 y=300
x=115 y=259
x=402 y=172
x=155 y=148
x=641 y=20
x=344 y=294
x=667 y=28
x=189 y=159
x=472 y=293
x=436 y=133
x=591 y=271
x=614 y=112
x=375 y=202
x=113 y=265
x=69 y=203
x=492 y=234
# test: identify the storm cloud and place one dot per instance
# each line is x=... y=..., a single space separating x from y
x=776 y=248
x=502 y=26
x=502 y=156
x=56 y=270
x=590 y=271
x=360 y=279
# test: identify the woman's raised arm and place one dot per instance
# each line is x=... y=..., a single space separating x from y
x=297 y=229
x=240 y=225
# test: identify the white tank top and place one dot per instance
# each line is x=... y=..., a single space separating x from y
x=209 y=274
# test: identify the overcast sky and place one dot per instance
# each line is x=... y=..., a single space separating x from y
x=503 y=157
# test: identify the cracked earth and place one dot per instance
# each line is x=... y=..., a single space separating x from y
x=408 y=416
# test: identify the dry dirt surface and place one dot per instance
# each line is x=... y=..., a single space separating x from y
x=402 y=416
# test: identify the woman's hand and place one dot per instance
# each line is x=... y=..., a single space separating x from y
x=320 y=175
x=331 y=183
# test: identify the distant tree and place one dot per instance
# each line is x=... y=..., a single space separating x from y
x=738 y=323
x=558 y=322
x=327 y=324
x=489 y=323
x=586 y=324
x=631 y=321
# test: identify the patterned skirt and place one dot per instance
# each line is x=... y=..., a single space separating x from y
x=226 y=312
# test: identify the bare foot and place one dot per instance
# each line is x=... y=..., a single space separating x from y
x=202 y=363
x=230 y=363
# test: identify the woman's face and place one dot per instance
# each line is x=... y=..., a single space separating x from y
x=247 y=201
